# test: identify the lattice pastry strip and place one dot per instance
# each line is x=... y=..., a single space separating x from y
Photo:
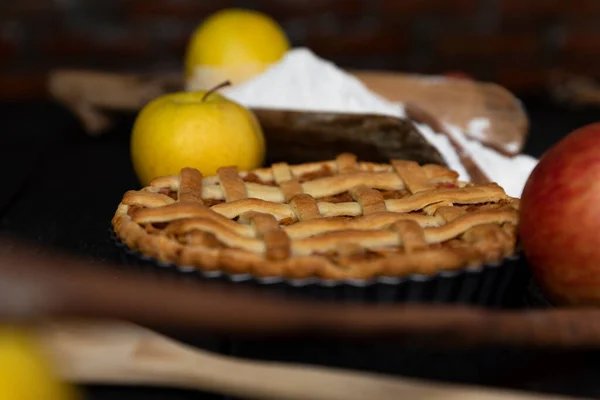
x=370 y=200
x=232 y=184
x=190 y=186
x=379 y=176
x=468 y=195
x=146 y=199
x=277 y=242
x=249 y=239
x=346 y=163
x=386 y=219
x=282 y=172
x=413 y=176
x=351 y=174
x=185 y=217
x=304 y=207
x=411 y=235
x=289 y=185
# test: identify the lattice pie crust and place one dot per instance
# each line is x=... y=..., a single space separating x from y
x=332 y=219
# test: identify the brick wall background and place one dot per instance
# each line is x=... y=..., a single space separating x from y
x=514 y=42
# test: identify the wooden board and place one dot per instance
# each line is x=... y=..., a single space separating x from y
x=56 y=285
x=90 y=94
x=459 y=102
x=101 y=352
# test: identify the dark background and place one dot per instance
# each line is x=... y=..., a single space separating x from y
x=517 y=43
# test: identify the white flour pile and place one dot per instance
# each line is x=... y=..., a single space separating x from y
x=510 y=173
x=303 y=81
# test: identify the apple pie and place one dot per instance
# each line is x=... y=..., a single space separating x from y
x=338 y=219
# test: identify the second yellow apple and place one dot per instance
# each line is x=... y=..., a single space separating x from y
x=235 y=45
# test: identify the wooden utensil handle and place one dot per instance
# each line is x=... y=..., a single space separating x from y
x=116 y=353
x=34 y=286
x=88 y=93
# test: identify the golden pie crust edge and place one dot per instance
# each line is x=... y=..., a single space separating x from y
x=490 y=231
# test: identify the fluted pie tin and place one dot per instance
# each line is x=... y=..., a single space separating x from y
x=492 y=285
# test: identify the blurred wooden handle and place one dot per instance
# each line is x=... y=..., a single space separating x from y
x=36 y=284
x=89 y=94
x=459 y=102
x=120 y=353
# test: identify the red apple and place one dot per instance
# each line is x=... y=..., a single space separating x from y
x=560 y=219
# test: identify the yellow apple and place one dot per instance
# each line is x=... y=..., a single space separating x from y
x=25 y=373
x=202 y=130
x=233 y=44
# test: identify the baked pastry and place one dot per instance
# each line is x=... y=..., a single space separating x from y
x=335 y=219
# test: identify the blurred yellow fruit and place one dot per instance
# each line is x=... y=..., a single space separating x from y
x=24 y=372
x=234 y=45
x=202 y=130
